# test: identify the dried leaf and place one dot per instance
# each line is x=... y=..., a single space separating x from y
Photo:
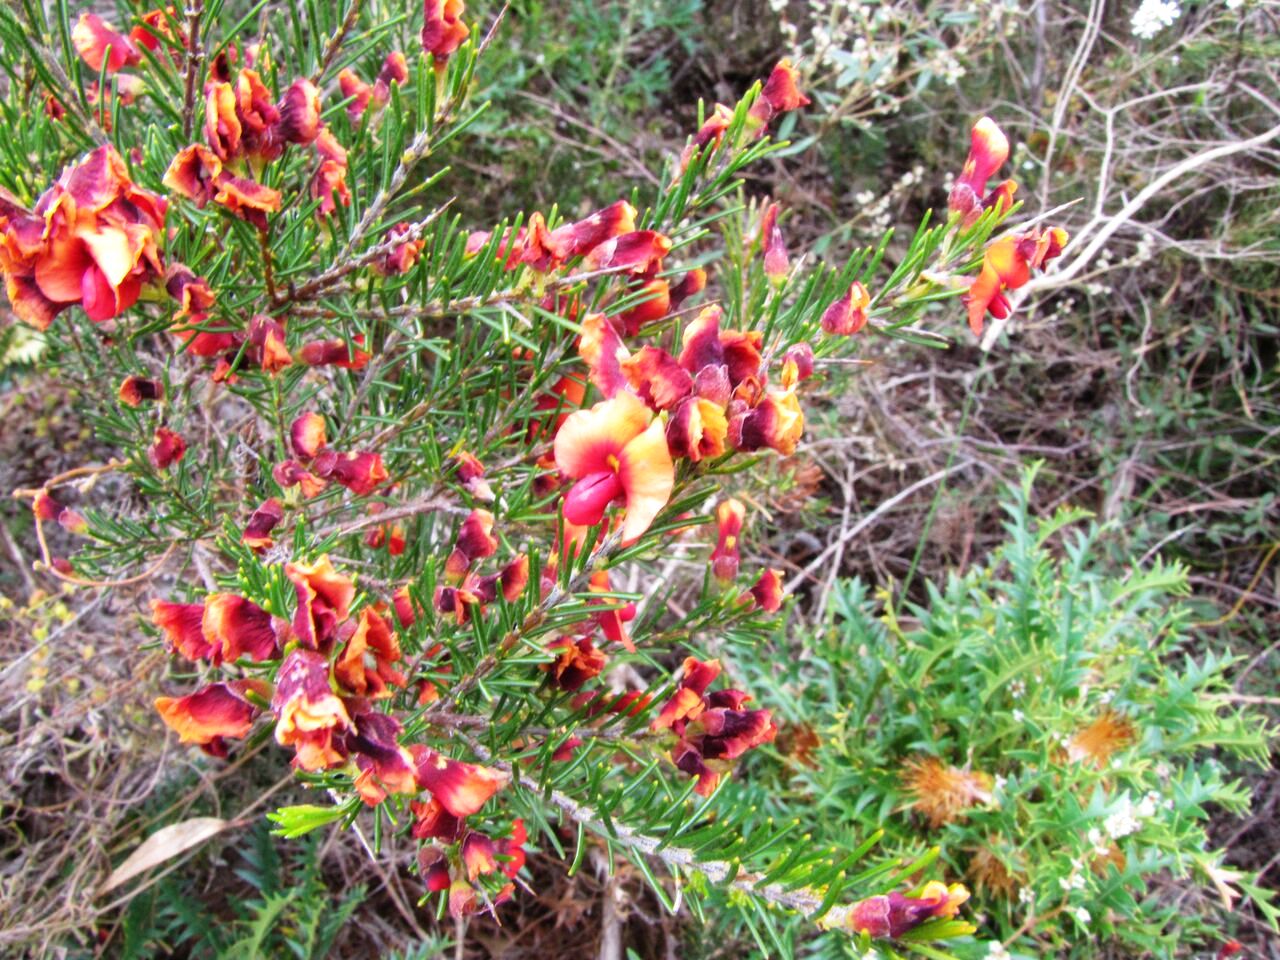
x=165 y=844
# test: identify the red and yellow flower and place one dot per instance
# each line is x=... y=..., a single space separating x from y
x=92 y=240
x=615 y=450
x=213 y=713
x=1007 y=265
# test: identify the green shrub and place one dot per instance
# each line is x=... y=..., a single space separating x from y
x=1055 y=729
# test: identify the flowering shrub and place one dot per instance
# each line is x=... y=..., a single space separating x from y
x=1054 y=730
x=406 y=485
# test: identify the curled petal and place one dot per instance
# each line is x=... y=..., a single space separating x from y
x=576 y=239
x=167 y=448
x=324 y=600
x=847 y=315
x=194 y=173
x=291 y=473
x=335 y=353
x=462 y=788
x=309 y=715
x=211 y=713
x=603 y=351
x=92 y=36
x=257 y=532
x=307 y=435
x=299 y=114
x=697 y=429
x=361 y=473
x=767 y=591
x=589 y=439
x=237 y=628
x=640 y=251
x=221 y=124
x=182 y=625
x=657 y=378
x=443 y=31
x=134 y=391
x=355 y=90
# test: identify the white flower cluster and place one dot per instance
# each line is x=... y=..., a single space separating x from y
x=1127 y=817
x=1152 y=16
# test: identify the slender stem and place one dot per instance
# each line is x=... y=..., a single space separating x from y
x=191 y=69
x=334 y=43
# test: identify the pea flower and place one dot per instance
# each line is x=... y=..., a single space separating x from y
x=1007 y=265
x=92 y=240
x=310 y=717
x=98 y=43
x=725 y=557
x=615 y=450
x=895 y=914
x=988 y=151
x=443 y=31
x=213 y=713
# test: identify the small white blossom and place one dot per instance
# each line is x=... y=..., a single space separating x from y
x=1026 y=895
x=1152 y=16
x=1018 y=715
x=1083 y=916
x=997 y=951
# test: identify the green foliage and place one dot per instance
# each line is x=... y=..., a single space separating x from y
x=1064 y=838
x=280 y=908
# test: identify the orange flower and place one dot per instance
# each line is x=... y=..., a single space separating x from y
x=374 y=639
x=92 y=37
x=395 y=69
x=134 y=391
x=575 y=239
x=361 y=473
x=655 y=306
x=306 y=435
x=615 y=450
x=640 y=251
x=385 y=766
x=730 y=515
x=847 y=315
x=92 y=239
x=309 y=715
x=1007 y=265
x=299 y=110
x=1096 y=743
x=324 y=600
x=711 y=131
x=221 y=124
x=775 y=420
x=237 y=627
x=697 y=429
x=577 y=661
x=461 y=788
x=443 y=31
x=182 y=625
x=779 y=95
x=475 y=542
x=766 y=593
x=212 y=713
x=988 y=150
x=355 y=90
x=257 y=532
x=334 y=353
x=167 y=448
x=776 y=262
x=943 y=793
x=291 y=473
